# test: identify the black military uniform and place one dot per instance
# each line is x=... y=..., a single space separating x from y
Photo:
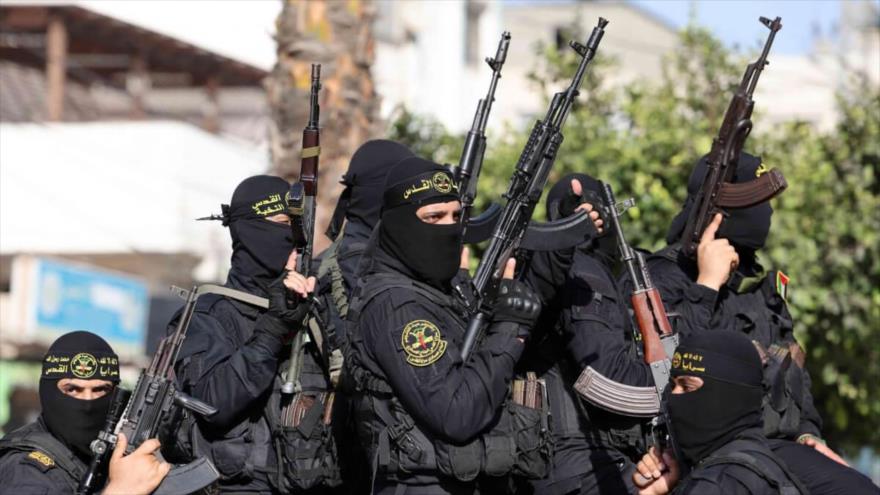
x=51 y=455
x=419 y=407
x=358 y=208
x=592 y=341
x=760 y=312
x=718 y=426
x=234 y=353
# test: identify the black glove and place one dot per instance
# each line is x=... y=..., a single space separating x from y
x=566 y=206
x=517 y=303
x=283 y=313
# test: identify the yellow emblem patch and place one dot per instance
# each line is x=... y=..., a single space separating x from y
x=676 y=360
x=441 y=182
x=762 y=169
x=41 y=458
x=83 y=365
x=422 y=343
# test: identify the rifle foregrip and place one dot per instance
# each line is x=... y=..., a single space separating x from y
x=659 y=312
x=650 y=336
x=746 y=194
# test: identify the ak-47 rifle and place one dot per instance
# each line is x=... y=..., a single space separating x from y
x=468 y=171
x=301 y=207
x=718 y=192
x=658 y=338
x=155 y=403
x=526 y=187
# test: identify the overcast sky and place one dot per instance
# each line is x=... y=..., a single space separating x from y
x=243 y=28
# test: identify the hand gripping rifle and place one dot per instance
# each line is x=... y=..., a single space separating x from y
x=468 y=171
x=526 y=186
x=718 y=192
x=657 y=336
x=156 y=402
x=301 y=206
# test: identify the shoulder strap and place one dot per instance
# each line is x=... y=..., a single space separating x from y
x=330 y=268
x=741 y=455
x=33 y=439
x=670 y=252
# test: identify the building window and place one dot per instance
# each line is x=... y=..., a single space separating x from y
x=473 y=10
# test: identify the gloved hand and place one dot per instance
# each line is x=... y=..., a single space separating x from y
x=577 y=198
x=517 y=303
x=286 y=310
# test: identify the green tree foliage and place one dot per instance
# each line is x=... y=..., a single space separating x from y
x=644 y=138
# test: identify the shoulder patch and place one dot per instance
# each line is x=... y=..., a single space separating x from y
x=43 y=461
x=782 y=284
x=422 y=343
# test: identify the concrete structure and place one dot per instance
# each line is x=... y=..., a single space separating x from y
x=429 y=56
x=634 y=38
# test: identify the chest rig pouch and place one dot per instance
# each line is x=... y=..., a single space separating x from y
x=518 y=444
x=761 y=313
x=302 y=430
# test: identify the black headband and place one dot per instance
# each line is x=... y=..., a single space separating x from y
x=271 y=204
x=703 y=362
x=83 y=365
x=420 y=188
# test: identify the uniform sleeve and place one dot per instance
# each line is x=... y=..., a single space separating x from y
x=215 y=370
x=595 y=329
x=19 y=476
x=694 y=304
x=547 y=272
x=811 y=421
x=724 y=479
x=451 y=399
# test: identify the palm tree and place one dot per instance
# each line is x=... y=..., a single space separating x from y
x=339 y=35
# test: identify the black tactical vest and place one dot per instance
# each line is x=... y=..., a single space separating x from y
x=747 y=454
x=518 y=444
x=34 y=437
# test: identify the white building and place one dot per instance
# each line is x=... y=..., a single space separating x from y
x=429 y=57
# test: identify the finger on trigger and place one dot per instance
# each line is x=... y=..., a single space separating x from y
x=712 y=228
x=291 y=260
x=465 y=260
x=509 y=268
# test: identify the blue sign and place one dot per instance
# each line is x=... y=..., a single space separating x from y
x=70 y=297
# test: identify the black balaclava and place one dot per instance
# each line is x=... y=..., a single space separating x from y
x=364 y=182
x=746 y=228
x=430 y=251
x=81 y=355
x=561 y=202
x=260 y=247
x=728 y=403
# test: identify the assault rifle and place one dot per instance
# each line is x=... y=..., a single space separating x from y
x=155 y=404
x=718 y=192
x=301 y=207
x=468 y=171
x=658 y=339
x=524 y=192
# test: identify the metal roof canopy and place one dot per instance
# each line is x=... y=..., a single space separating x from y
x=107 y=48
